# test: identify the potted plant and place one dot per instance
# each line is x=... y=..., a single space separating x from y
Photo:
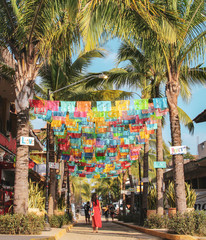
x=190 y=197
x=170 y=197
x=36 y=199
x=152 y=199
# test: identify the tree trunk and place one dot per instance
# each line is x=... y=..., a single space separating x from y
x=172 y=92
x=123 y=195
x=21 y=185
x=24 y=92
x=159 y=157
x=52 y=196
x=132 y=193
x=145 y=175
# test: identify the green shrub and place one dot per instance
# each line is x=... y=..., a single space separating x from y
x=200 y=220
x=58 y=221
x=21 y=224
x=36 y=196
x=170 y=195
x=190 y=195
x=183 y=224
x=156 y=221
x=152 y=197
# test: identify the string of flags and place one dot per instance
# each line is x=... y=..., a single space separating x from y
x=101 y=140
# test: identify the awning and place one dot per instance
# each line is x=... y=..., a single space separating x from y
x=201 y=117
x=7 y=150
x=37 y=144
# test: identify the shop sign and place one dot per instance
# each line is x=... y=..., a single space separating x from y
x=160 y=164
x=27 y=141
x=58 y=177
x=131 y=189
x=53 y=165
x=178 y=150
x=145 y=180
x=124 y=191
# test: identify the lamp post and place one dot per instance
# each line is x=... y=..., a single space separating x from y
x=47 y=226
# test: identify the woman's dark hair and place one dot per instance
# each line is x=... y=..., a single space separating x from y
x=94 y=198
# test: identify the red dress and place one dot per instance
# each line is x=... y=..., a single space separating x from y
x=96 y=218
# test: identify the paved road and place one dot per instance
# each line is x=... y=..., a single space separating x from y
x=109 y=231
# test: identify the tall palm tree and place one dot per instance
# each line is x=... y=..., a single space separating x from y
x=30 y=29
x=186 y=50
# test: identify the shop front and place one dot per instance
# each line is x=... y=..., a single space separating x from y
x=7 y=173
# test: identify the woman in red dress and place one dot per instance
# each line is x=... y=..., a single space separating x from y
x=96 y=213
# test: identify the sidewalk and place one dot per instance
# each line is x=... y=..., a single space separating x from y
x=54 y=234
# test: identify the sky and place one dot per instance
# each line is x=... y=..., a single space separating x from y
x=195 y=106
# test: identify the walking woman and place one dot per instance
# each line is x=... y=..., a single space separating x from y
x=96 y=213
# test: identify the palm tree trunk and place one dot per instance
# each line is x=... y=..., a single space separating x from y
x=172 y=92
x=145 y=175
x=159 y=156
x=132 y=193
x=52 y=197
x=22 y=160
x=24 y=92
x=123 y=195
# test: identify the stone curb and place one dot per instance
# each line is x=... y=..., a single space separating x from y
x=58 y=235
x=158 y=233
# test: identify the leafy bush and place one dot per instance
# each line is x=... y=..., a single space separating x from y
x=58 y=221
x=200 y=220
x=21 y=224
x=36 y=196
x=152 y=197
x=193 y=223
x=190 y=195
x=156 y=221
x=182 y=224
x=170 y=195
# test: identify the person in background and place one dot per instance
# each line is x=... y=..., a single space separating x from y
x=112 y=210
x=96 y=213
x=86 y=211
x=106 y=213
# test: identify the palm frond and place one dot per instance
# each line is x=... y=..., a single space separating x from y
x=186 y=120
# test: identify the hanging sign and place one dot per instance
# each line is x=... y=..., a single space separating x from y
x=131 y=189
x=27 y=141
x=124 y=191
x=160 y=164
x=53 y=165
x=178 y=150
x=58 y=177
x=145 y=180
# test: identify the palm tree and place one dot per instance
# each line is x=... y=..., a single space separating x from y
x=178 y=56
x=30 y=29
x=126 y=19
x=187 y=44
x=108 y=189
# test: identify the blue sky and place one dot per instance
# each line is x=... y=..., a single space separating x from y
x=193 y=108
